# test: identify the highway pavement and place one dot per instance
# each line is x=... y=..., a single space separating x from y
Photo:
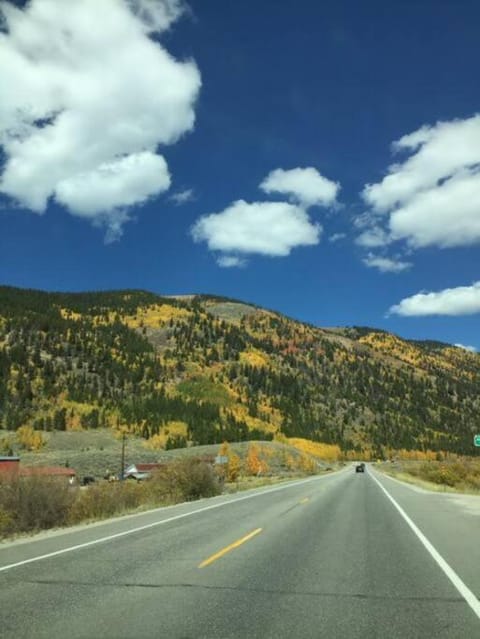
x=342 y=555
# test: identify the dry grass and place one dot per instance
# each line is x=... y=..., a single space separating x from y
x=462 y=475
x=33 y=503
x=29 y=504
x=248 y=483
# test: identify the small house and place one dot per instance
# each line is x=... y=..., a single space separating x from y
x=140 y=471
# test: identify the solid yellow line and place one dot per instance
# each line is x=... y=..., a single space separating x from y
x=304 y=500
x=224 y=551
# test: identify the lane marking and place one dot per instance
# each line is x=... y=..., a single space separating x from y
x=131 y=531
x=304 y=500
x=228 y=548
x=462 y=588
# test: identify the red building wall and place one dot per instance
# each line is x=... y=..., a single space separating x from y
x=10 y=466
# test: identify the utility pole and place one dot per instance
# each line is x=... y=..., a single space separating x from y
x=122 y=470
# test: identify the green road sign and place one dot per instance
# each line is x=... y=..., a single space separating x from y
x=476 y=440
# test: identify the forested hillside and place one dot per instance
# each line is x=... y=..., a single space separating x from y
x=203 y=369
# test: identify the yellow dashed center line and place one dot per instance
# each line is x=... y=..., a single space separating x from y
x=224 y=551
x=304 y=500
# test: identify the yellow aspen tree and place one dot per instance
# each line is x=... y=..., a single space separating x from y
x=29 y=438
x=253 y=465
x=233 y=467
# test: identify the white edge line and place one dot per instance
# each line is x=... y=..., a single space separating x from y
x=464 y=590
x=131 y=531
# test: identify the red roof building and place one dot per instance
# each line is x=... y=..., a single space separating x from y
x=9 y=465
x=147 y=468
x=47 y=471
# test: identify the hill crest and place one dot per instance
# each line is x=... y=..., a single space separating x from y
x=225 y=369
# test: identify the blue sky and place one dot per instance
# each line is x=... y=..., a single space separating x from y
x=125 y=167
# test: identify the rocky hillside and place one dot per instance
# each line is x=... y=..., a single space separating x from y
x=204 y=369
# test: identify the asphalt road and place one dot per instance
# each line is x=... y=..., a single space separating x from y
x=328 y=557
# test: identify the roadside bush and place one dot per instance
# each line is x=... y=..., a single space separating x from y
x=307 y=465
x=36 y=503
x=183 y=480
x=473 y=481
x=5 y=523
x=33 y=503
x=106 y=500
x=448 y=474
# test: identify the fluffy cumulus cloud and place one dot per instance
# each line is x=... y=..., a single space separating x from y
x=386 y=264
x=463 y=300
x=121 y=183
x=84 y=108
x=268 y=228
x=305 y=186
x=431 y=197
x=265 y=228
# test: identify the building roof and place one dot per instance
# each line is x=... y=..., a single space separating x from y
x=9 y=458
x=145 y=468
x=137 y=476
x=48 y=471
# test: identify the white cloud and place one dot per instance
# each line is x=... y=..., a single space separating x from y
x=470 y=349
x=445 y=216
x=183 y=196
x=372 y=238
x=157 y=16
x=269 y=228
x=386 y=264
x=231 y=261
x=266 y=228
x=441 y=151
x=463 y=300
x=84 y=106
x=121 y=183
x=336 y=237
x=304 y=185
x=431 y=198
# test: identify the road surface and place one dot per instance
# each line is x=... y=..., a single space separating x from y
x=344 y=555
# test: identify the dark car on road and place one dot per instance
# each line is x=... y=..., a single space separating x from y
x=360 y=468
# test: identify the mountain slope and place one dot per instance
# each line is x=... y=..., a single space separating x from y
x=205 y=369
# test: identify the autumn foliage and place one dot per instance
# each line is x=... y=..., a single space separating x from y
x=254 y=465
x=326 y=452
x=231 y=470
x=29 y=439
